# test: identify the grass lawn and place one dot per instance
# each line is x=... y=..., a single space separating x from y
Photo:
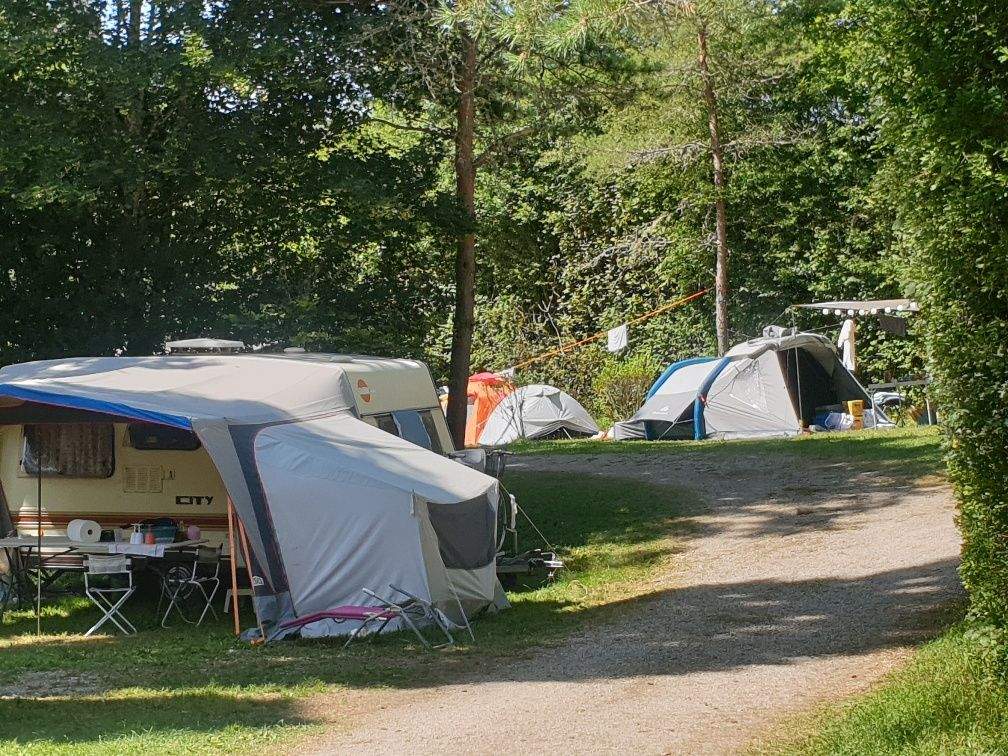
x=934 y=705
x=912 y=452
x=192 y=690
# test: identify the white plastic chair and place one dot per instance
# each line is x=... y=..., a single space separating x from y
x=105 y=596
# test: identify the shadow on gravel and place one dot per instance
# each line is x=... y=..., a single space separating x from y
x=736 y=625
x=760 y=494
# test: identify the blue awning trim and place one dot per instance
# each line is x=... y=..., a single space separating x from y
x=699 y=428
x=93 y=405
x=673 y=368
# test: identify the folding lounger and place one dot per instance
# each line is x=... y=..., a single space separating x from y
x=410 y=611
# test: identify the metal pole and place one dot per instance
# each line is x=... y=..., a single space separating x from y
x=38 y=533
x=797 y=372
x=234 y=566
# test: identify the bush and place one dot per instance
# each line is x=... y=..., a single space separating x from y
x=943 y=90
x=620 y=385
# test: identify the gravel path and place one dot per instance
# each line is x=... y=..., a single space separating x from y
x=804 y=583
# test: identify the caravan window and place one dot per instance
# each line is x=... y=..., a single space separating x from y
x=153 y=437
x=417 y=427
x=427 y=417
x=386 y=423
x=70 y=450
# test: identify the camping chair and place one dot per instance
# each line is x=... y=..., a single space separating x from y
x=104 y=596
x=182 y=581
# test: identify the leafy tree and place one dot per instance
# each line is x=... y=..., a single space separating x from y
x=170 y=168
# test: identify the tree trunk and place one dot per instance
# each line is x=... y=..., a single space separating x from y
x=721 y=223
x=465 y=262
x=136 y=12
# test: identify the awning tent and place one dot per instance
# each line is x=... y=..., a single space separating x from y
x=769 y=386
x=330 y=503
x=536 y=411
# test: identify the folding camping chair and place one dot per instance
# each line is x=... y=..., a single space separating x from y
x=183 y=580
x=104 y=596
x=413 y=612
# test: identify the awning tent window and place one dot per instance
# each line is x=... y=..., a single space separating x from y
x=70 y=450
x=153 y=437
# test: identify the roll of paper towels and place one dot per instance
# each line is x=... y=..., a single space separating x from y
x=84 y=531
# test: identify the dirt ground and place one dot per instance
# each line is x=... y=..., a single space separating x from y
x=802 y=583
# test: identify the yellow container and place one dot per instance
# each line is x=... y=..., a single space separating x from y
x=855 y=408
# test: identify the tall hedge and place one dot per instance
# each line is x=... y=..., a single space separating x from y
x=938 y=72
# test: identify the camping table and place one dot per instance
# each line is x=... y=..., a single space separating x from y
x=155 y=551
x=63 y=546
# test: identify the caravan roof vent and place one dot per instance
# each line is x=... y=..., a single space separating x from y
x=204 y=346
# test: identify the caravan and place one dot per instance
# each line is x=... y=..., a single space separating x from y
x=332 y=463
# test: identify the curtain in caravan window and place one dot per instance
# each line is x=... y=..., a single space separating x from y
x=72 y=450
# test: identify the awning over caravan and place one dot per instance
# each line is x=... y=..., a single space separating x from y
x=331 y=504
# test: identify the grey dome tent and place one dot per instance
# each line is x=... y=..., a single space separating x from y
x=767 y=386
x=536 y=411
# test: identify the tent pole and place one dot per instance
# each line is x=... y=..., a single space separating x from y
x=234 y=567
x=248 y=568
x=797 y=372
x=38 y=535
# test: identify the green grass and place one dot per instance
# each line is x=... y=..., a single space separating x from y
x=910 y=451
x=198 y=690
x=936 y=704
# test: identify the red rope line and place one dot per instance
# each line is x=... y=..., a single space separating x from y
x=639 y=319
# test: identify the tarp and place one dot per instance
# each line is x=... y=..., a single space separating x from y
x=536 y=411
x=331 y=504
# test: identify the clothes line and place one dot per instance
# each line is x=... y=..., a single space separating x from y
x=603 y=334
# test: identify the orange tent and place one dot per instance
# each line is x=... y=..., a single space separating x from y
x=484 y=393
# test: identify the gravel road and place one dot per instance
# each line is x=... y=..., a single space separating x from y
x=803 y=582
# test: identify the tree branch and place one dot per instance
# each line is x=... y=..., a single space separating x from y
x=505 y=141
x=439 y=133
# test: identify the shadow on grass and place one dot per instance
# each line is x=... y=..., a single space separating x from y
x=93 y=721
x=758 y=488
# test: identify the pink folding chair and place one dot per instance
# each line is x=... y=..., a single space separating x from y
x=410 y=611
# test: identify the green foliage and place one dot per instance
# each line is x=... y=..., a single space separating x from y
x=618 y=387
x=940 y=81
x=202 y=172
